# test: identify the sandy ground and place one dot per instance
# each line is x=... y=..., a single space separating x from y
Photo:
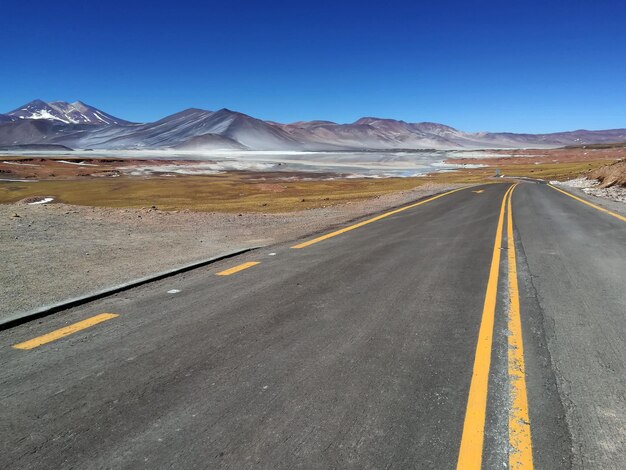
x=53 y=252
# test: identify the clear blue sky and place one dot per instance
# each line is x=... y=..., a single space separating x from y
x=524 y=66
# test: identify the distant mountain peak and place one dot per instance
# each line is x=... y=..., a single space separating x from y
x=67 y=113
x=307 y=124
x=193 y=110
x=433 y=127
x=374 y=120
x=230 y=112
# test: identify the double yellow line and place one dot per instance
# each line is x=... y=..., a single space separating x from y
x=520 y=451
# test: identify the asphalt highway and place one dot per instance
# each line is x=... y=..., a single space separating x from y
x=481 y=328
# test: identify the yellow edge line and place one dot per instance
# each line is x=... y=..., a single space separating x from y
x=62 y=332
x=369 y=221
x=238 y=268
x=471 y=451
x=602 y=209
x=521 y=450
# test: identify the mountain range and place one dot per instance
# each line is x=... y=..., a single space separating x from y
x=78 y=125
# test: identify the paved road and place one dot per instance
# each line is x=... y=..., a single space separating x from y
x=457 y=333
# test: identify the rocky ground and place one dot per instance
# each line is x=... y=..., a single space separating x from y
x=608 y=182
x=52 y=252
x=594 y=188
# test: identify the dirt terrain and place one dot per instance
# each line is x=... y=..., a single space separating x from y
x=594 y=162
x=568 y=155
x=610 y=175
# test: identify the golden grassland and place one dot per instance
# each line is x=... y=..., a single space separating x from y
x=243 y=192
x=223 y=193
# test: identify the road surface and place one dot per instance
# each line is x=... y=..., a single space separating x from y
x=482 y=328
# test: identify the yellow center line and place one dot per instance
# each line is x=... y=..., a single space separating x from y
x=602 y=209
x=471 y=451
x=238 y=268
x=521 y=451
x=62 y=332
x=369 y=221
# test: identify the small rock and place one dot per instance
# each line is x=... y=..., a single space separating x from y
x=15 y=214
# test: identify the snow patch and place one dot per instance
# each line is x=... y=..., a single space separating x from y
x=45 y=200
x=45 y=114
x=76 y=163
x=19 y=163
x=581 y=182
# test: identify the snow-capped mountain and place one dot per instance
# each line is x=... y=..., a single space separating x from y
x=67 y=113
x=78 y=125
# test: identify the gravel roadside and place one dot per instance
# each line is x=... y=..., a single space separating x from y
x=54 y=252
x=612 y=198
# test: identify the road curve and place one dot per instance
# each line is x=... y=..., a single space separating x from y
x=467 y=331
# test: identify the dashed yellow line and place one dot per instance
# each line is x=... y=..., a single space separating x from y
x=520 y=443
x=471 y=451
x=66 y=331
x=238 y=268
x=369 y=221
x=602 y=209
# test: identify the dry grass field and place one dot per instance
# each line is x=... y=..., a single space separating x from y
x=100 y=183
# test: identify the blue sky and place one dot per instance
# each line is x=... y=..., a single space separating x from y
x=520 y=66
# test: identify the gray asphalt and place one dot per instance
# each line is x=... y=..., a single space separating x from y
x=577 y=258
x=355 y=352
